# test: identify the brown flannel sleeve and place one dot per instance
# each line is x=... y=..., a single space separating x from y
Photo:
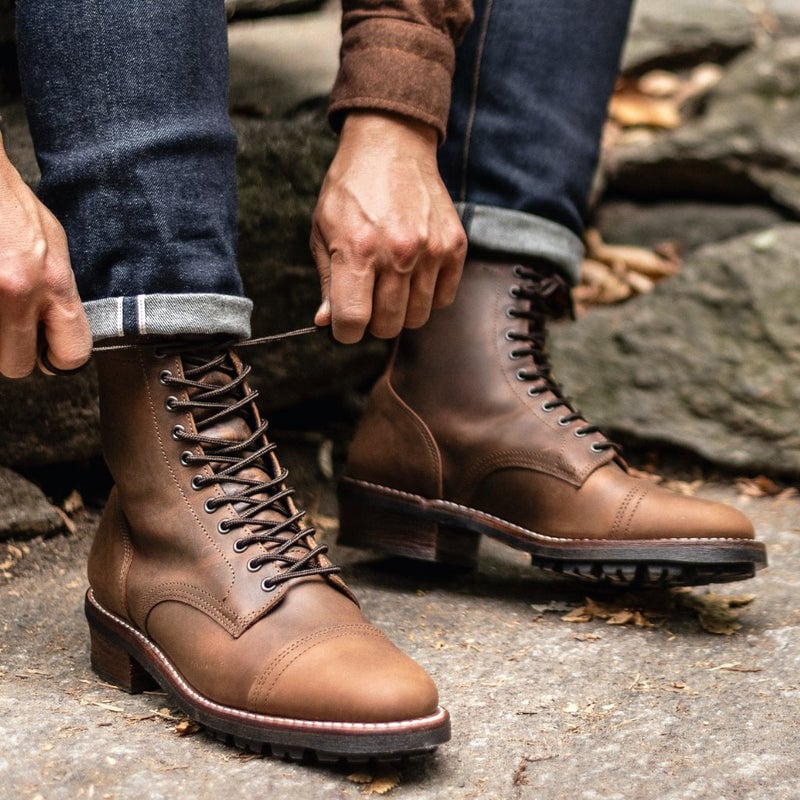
x=398 y=56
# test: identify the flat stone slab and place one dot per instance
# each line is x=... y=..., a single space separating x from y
x=541 y=708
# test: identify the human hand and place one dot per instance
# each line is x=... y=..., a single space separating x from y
x=386 y=238
x=37 y=286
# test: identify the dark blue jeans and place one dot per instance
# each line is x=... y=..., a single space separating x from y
x=127 y=101
x=532 y=83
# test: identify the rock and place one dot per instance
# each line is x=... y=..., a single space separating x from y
x=684 y=32
x=744 y=147
x=25 y=511
x=690 y=224
x=6 y=21
x=9 y=77
x=709 y=361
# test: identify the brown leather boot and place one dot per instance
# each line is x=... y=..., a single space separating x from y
x=468 y=434
x=204 y=578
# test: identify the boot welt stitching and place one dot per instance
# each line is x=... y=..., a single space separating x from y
x=439 y=716
x=448 y=504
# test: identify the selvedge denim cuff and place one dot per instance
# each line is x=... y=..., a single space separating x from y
x=169 y=315
x=523 y=235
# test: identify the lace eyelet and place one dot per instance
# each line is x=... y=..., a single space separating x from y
x=164 y=376
x=238 y=547
x=563 y=422
x=170 y=402
x=223 y=527
x=252 y=566
x=521 y=375
x=511 y=312
x=514 y=355
x=177 y=432
x=210 y=505
x=596 y=448
x=186 y=458
x=517 y=271
x=268 y=586
x=158 y=353
x=514 y=292
x=546 y=407
x=197 y=483
x=580 y=433
x=509 y=336
x=534 y=391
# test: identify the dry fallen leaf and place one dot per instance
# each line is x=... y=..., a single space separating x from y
x=630 y=108
x=659 y=83
x=715 y=611
x=73 y=502
x=187 y=727
x=380 y=783
x=360 y=777
x=383 y=783
x=760 y=486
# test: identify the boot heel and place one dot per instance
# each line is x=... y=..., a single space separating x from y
x=369 y=525
x=113 y=664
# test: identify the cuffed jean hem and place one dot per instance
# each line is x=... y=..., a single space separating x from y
x=522 y=235
x=169 y=315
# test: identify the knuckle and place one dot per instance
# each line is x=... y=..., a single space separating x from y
x=15 y=286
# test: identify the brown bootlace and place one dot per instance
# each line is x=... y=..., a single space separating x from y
x=548 y=297
x=213 y=401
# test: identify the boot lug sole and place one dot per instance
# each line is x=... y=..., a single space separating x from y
x=292 y=739
x=429 y=529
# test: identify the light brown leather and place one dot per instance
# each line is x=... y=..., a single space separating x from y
x=451 y=415
x=302 y=649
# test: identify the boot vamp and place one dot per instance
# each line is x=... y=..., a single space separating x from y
x=610 y=504
x=297 y=661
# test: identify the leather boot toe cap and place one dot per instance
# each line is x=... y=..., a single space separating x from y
x=350 y=676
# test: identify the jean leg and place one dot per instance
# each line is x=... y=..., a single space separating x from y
x=128 y=106
x=532 y=83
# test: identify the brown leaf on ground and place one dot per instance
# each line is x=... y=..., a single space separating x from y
x=613 y=273
x=760 y=486
x=360 y=777
x=613 y=614
x=73 y=502
x=381 y=783
x=715 y=612
x=187 y=727
x=631 y=108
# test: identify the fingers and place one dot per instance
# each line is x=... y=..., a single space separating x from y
x=68 y=339
x=351 y=289
x=319 y=251
x=18 y=346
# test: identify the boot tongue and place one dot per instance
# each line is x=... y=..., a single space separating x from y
x=235 y=427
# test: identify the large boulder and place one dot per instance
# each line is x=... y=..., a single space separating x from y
x=690 y=224
x=25 y=512
x=745 y=146
x=709 y=361
x=686 y=32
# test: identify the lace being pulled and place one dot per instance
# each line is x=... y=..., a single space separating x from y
x=548 y=298
x=245 y=465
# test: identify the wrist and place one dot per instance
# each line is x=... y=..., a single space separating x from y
x=383 y=129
